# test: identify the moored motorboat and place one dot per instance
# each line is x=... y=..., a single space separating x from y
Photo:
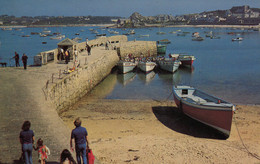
x=237 y=39
x=169 y=64
x=164 y=41
x=146 y=66
x=126 y=66
x=161 y=48
x=205 y=108
x=56 y=38
x=199 y=38
x=100 y=35
x=186 y=60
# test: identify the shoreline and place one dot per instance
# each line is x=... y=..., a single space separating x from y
x=146 y=26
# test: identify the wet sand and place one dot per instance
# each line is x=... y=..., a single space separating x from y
x=130 y=131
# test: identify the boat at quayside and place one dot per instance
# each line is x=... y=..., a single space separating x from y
x=126 y=66
x=146 y=66
x=169 y=64
x=186 y=60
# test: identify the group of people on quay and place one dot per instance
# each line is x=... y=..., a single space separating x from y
x=67 y=53
x=79 y=136
x=24 y=60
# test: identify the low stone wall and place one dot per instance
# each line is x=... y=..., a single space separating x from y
x=70 y=89
x=138 y=48
x=114 y=40
x=45 y=57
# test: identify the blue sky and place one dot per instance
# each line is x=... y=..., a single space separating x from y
x=122 y=8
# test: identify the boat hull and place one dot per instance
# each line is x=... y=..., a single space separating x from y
x=146 y=66
x=217 y=117
x=125 y=67
x=186 y=60
x=161 y=49
x=170 y=66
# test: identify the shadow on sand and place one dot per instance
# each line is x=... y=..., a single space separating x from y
x=174 y=119
x=21 y=162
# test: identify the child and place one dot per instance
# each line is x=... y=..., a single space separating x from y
x=43 y=151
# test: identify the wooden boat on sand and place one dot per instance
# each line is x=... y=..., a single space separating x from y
x=205 y=108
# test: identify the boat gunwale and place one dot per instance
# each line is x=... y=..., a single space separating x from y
x=215 y=106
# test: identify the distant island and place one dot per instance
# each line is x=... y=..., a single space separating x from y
x=238 y=15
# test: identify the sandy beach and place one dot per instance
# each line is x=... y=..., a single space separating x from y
x=130 y=131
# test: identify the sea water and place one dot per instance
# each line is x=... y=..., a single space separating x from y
x=227 y=69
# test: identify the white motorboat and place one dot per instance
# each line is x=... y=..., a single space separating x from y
x=146 y=66
x=126 y=66
x=237 y=39
x=169 y=64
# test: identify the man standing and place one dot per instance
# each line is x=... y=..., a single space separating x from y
x=24 y=59
x=16 y=57
x=80 y=135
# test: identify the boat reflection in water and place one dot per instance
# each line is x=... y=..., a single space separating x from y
x=104 y=88
x=182 y=75
x=187 y=69
x=126 y=78
x=146 y=77
x=170 y=78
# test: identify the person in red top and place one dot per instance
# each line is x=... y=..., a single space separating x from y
x=43 y=151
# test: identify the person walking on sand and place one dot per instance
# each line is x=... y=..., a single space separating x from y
x=24 y=59
x=80 y=137
x=26 y=140
x=16 y=58
x=66 y=157
x=43 y=151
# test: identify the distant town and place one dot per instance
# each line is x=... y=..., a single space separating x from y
x=238 y=15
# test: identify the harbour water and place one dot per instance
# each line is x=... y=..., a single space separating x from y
x=226 y=69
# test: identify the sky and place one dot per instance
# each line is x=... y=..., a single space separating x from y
x=123 y=8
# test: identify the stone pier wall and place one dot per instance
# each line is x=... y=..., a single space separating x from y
x=138 y=48
x=70 y=89
x=114 y=40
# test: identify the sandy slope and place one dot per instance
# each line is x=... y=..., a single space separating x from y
x=127 y=131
